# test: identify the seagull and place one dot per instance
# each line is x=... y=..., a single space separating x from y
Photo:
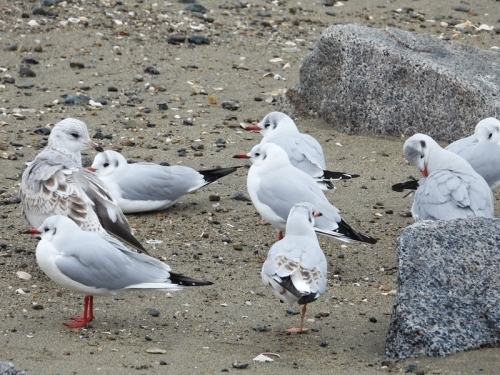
x=450 y=189
x=55 y=183
x=296 y=267
x=141 y=187
x=481 y=150
x=275 y=186
x=97 y=264
x=304 y=151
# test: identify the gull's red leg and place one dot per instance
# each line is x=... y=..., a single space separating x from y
x=88 y=314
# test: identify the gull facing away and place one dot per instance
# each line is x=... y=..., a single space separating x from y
x=296 y=267
x=481 y=150
x=96 y=264
x=450 y=189
x=55 y=183
x=275 y=186
x=304 y=151
x=141 y=187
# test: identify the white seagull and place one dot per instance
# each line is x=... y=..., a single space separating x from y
x=275 y=186
x=96 y=264
x=141 y=187
x=304 y=151
x=450 y=189
x=481 y=150
x=55 y=183
x=296 y=267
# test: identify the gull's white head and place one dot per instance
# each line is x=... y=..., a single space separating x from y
x=303 y=213
x=488 y=130
x=55 y=226
x=417 y=150
x=71 y=136
x=275 y=123
x=268 y=154
x=108 y=162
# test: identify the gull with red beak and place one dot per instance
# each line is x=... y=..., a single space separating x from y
x=304 y=151
x=275 y=186
x=296 y=267
x=55 y=183
x=450 y=189
x=96 y=264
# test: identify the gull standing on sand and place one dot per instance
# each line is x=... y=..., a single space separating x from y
x=141 y=187
x=304 y=151
x=481 y=150
x=275 y=186
x=450 y=189
x=96 y=264
x=55 y=183
x=296 y=267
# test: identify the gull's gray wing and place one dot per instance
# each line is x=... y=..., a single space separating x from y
x=447 y=195
x=153 y=182
x=304 y=152
x=286 y=187
x=457 y=146
x=108 y=264
x=484 y=157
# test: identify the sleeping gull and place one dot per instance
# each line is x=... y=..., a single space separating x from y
x=55 y=183
x=450 y=189
x=141 y=187
x=96 y=264
x=275 y=186
x=296 y=267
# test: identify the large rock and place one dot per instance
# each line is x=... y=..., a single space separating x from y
x=7 y=368
x=448 y=288
x=393 y=82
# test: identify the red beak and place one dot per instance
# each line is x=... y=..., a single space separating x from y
x=32 y=231
x=92 y=169
x=253 y=127
x=425 y=172
x=241 y=156
x=317 y=214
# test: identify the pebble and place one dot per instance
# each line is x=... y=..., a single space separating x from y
x=138 y=78
x=238 y=247
x=37 y=307
x=11 y=47
x=151 y=70
x=372 y=319
x=231 y=105
x=197 y=146
x=162 y=106
x=163 y=363
x=239 y=365
x=221 y=143
x=10 y=80
x=31 y=60
x=187 y=122
x=214 y=198
x=156 y=351
x=112 y=89
x=38 y=11
x=239 y=196
x=461 y=8
x=292 y=312
x=198 y=39
x=196 y=8
x=323 y=344
x=25 y=71
x=76 y=65
x=43 y=131
x=176 y=39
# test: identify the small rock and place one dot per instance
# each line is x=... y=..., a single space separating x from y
x=43 y=131
x=10 y=80
x=76 y=65
x=237 y=246
x=162 y=106
x=12 y=47
x=151 y=70
x=112 y=89
x=38 y=11
x=176 y=39
x=25 y=71
x=221 y=143
x=292 y=312
x=197 y=146
x=231 y=105
x=187 y=122
x=461 y=8
x=238 y=196
x=196 y=8
x=37 y=307
x=156 y=351
x=138 y=78
x=323 y=344
x=239 y=365
x=214 y=198
x=31 y=60
x=198 y=39
x=163 y=363
x=372 y=319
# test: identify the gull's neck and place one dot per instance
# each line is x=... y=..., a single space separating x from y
x=75 y=156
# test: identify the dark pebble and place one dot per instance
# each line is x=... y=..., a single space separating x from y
x=148 y=338
x=197 y=146
x=154 y=312
x=163 y=363
x=292 y=312
x=461 y=8
x=37 y=307
x=327 y=3
x=112 y=89
x=165 y=164
x=231 y=105
x=187 y=122
x=198 y=39
x=43 y=131
x=372 y=319
x=48 y=3
x=102 y=101
x=238 y=196
x=196 y=8
x=186 y=1
x=10 y=80
x=42 y=143
x=257 y=99
x=30 y=60
x=176 y=39
x=239 y=365
x=181 y=152
x=162 y=106
x=260 y=328
x=39 y=11
x=76 y=65
x=85 y=87
x=25 y=71
x=220 y=143
x=330 y=13
x=214 y=198
x=3 y=245
x=151 y=70
x=11 y=47
x=323 y=344
x=72 y=100
x=389 y=212
x=16 y=144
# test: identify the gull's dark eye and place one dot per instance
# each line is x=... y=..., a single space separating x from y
x=267 y=124
x=491 y=135
x=421 y=156
x=257 y=154
x=46 y=229
x=106 y=165
x=75 y=135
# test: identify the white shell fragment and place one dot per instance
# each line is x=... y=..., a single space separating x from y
x=266 y=357
x=156 y=351
x=276 y=60
x=485 y=27
x=154 y=242
x=23 y=275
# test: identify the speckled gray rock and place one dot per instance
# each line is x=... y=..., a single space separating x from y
x=448 y=288
x=7 y=368
x=397 y=83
